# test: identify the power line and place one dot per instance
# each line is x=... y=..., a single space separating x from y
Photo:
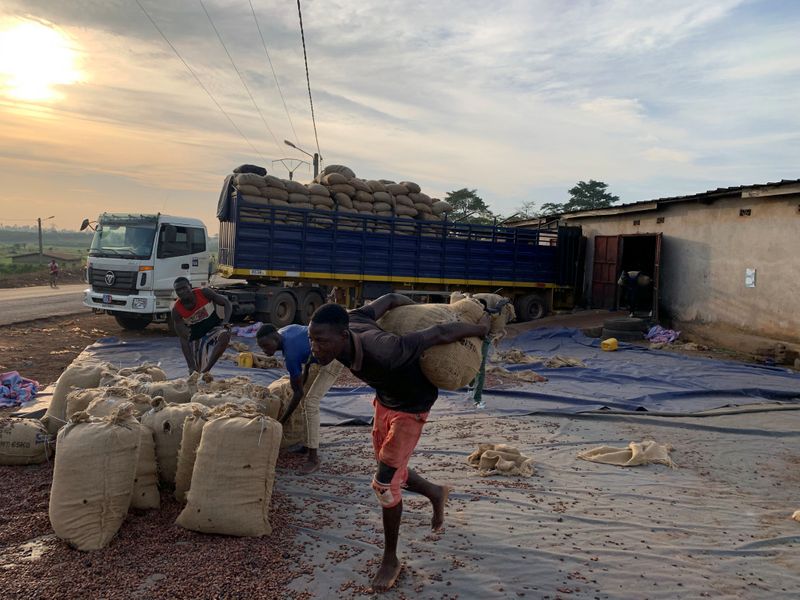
x=244 y=83
x=308 y=79
x=200 y=83
x=274 y=74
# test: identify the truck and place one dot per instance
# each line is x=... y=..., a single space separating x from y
x=285 y=261
x=134 y=260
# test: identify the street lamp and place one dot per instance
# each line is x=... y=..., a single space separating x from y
x=39 y=221
x=314 y=156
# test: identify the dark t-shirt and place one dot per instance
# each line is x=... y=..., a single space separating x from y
x=390 y=364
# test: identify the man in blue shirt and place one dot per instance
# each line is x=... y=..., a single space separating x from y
x=293 y=341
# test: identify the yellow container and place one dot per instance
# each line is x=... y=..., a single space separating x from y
x=245 y=359
x=609 y=345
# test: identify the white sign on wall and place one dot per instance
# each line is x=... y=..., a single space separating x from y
x=750 y=278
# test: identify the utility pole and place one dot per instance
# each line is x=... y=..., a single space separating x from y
x=41 y=248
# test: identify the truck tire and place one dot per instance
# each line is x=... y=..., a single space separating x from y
x=133 y=322
x=531 y=307
x=282 y=310
x=308 y=305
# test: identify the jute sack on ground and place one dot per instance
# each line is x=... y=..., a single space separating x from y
x=448 y=366
x=109 y=402
x=636 y=454
x=269 y=405
x=174 y=391
x=295 y=429
x=233 y=476
x=500 y=459
x=80 y=375
x=95 y=466
x=24 y=441
x=190 y=440
x=153 y=371
x=145 y=484
x=166 y=421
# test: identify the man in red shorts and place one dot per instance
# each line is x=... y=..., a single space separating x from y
x=404 y=396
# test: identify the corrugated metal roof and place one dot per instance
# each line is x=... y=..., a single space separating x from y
x=723 y=191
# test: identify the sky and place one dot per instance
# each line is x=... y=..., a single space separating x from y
x=516 y=99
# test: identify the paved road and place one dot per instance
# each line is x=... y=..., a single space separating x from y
x=24 y=304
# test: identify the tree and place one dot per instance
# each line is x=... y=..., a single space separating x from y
x=468 y=207
x=588 y=195
x=550 y=208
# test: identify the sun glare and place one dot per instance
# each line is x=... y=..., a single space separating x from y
x=34 y=60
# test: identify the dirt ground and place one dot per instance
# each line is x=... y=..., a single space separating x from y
x=18 y=280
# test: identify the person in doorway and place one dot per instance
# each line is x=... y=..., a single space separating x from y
x=633 y=283
x=204 y=336
x=404 y=396
x=304 y=371
x=53 y=266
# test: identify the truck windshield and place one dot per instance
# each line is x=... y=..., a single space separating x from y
x=128 y=240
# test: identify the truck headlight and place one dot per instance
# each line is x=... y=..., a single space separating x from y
x=140 y=303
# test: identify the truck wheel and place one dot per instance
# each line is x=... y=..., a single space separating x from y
x=309 y=304
x=283 y=308
x=133 y=322
x=531 y=307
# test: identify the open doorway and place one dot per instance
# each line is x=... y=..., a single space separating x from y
x=640 y=253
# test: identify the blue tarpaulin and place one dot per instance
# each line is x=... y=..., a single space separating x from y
x=633 y=378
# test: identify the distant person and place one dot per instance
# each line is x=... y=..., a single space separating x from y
x=53 y=273
x=293 y=341
x=204 y=336
x=633 y=283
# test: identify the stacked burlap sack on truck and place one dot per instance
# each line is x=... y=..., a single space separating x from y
x=124 y=433
x=338 y=189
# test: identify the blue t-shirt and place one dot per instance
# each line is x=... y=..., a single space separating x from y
x=296 y=348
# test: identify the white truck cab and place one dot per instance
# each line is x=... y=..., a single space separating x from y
x=134 y=260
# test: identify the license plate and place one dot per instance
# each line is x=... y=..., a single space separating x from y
x=106 y=298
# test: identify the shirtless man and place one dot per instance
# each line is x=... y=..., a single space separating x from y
x=203 y=335
x=404 y=396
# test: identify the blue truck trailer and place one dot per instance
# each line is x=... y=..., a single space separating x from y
x=292 y=259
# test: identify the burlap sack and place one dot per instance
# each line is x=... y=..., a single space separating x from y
x=345 y=171
x=190 y=440
x=384 y=213
x=110 y=401
x=274 y=182
x=294 y=430
x=277 y=202
x=343 y=200
x=411 y=187
x=500 y=459
x=382 y=197
x=269 y=405
x=318 y=189
x=274 y=193
x=93 y=477
x=403 y=210
x=295 y=187
x=448 y=366
x=246 y=168
x=344 y=209
x=166 y=421
x=397 y=189
x=174 y=391
x=430 y=217
x=362 y=196
x=317 y=199
x=376 y=186
x=153 y=371
x=145 y=484
x=304 y=205
x=249 y=190
x=420 y=198
x=295 y=198
x=380 y=207
x=440 y=206
x=24 y=441
x=359 y=185
x=403 y=200
x=249 y=179
x=343 y=188
x=364 y=207
x=422 y=207
x=257 y=200
x=79 y=400
x=334 y=179
x=233 y=476
x=500 y=320
x=79 y=375
x=322 y=201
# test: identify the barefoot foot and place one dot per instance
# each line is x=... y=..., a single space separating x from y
x=309 y=467
x=387 y=575
x=439 y=503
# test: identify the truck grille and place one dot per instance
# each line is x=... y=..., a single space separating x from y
x=124 y=281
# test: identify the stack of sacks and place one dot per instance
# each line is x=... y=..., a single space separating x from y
x=447 y=366
x=383 y=205
x=440 y=208
x=79 y=375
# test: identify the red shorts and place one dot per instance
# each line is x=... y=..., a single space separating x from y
x=394 y=436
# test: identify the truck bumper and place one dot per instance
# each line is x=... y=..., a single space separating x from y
x=145 y=305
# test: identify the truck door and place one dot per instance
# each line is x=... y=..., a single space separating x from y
x=605 y=271
x=175 y=257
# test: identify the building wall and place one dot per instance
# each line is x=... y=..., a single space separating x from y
x=705 y=251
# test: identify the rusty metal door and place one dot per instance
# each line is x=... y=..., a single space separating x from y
x=605 y=271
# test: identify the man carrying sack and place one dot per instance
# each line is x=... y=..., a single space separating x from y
x=293 y=341
x=391 y=364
